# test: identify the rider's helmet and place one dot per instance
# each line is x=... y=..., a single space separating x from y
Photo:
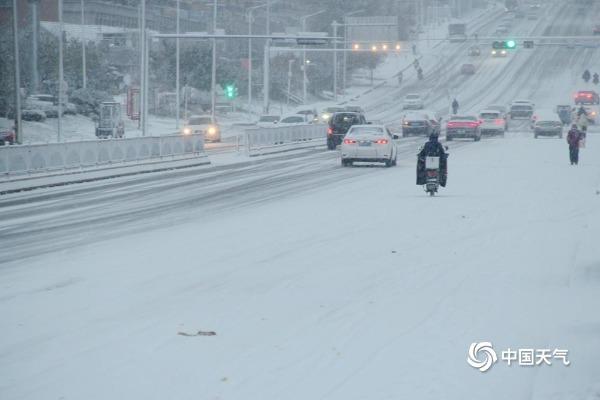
x=434 y=136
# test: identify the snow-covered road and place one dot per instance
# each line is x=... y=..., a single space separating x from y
x=357 y=287
x=321 y=282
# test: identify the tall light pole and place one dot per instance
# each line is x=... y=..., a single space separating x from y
x=213 y=84
x=345 y=62
x=304 y=65
x=250 y=21
x=83 y=62
x=177 y=69
x=143 y=72
x=267 y=63
x=35 y=25
x=18 y=128
x=60 y=68
x=289 y=83
x=335 y=28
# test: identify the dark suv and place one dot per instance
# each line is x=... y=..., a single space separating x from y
x=339 y=124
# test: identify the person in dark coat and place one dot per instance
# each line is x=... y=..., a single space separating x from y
x=454 y=106
x=573 y=138
x=433 y=148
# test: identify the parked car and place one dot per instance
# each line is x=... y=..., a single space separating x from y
x=413 y=101
x=339 y=124
x=492 y=122
x=587 y=97
x=268 y=121
x=369 y=143
x=463 y=126
x=547 y=123
x=49 y=104
x=28 y=115
x=7 y=132
x=203 y=124
x=474 y=51
x=467 y=69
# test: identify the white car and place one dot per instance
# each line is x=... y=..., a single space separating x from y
x=293 y=120
x=547 y=123
x=492 y=122
x=268 y=121
x=203 y=124
x=413 y=101
x=369 y=143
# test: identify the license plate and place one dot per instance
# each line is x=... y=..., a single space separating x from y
x=461 y=131
x=365 y=143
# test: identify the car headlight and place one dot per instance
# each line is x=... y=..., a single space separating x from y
x=211 y=130
x=326 y=117
x=187 y=131
x=493 y=52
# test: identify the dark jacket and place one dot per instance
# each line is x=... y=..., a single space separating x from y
x=433 y=148
x=573 y=137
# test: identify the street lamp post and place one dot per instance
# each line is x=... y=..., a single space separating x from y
x=18 y=129
x=335 y=25
x=83 y=61
x=213 y=84
x=250 y=21
x=60 y=68
x=289 y=83
x=304 y=18
x=177 y=105
x=345 y=62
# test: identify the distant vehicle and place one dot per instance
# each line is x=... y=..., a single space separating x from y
x=203 y=124
x=591 y=113
x=492 y=122
x=457 y=32
x=419 y=123
x=521 y=111
x=49 y=104
x=328 y=112
x=369 y=143
x=291 y=120
x=413 y=101
x=463 y=126
x=110 y=124
x=339 y=124
x=467 y=69
x=502 y=29
x=597 y=30
x=29 y=115
x=564 y=113
x=309 y=115
x=267 y=121
x=533 y=12
x=7 y=132
x=499 y=53
x=500 y=108
x=352 y=108
x=587 y=97
x=474 y=51
x=547 y=124
x=524 y=101
x=511 y=5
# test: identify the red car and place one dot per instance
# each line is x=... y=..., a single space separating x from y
x=587 y=97
x=7 y=133
x=463 y=126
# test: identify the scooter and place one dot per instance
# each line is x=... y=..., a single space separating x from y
x=432 y=175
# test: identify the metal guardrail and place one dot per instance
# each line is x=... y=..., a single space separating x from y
x=276 y=139
x=39 y=158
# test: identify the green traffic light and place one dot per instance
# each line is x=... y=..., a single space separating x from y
x=511 y=44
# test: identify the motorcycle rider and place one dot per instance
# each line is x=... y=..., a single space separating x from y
x=433 y=148
x=454 y=106
x=573 y=139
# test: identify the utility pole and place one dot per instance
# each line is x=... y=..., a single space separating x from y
x=213 y=84
x=335 y=27
x=177 y=69
x=35 y=29
x=304 y=63
x=346 y=42
x=250 y=21
x=60 y=68
x=83 y=62
x=143 y=88
x=18 y=128
x=266 y=63
x=289 y=82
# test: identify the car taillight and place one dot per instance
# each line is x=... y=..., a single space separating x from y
x=349 y=141
x=499 y=122
x=330 y=131
x=381 y=141
x=480 y=122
